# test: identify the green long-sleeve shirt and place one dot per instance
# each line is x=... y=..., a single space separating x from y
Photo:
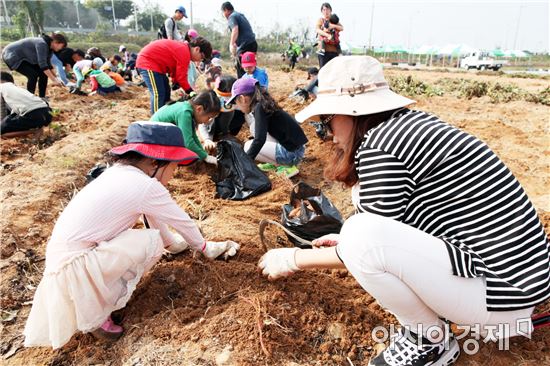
x=181 y=114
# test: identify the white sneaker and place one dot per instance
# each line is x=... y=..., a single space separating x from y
x=404 y=350
x=70 y=84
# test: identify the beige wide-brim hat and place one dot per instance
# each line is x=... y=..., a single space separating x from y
x=354 y=86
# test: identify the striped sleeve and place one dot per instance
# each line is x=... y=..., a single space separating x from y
x=385 y=184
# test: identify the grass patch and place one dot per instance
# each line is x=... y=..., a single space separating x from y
x=411 y=87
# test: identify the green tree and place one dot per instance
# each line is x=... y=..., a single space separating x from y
x=35 y=12
x=20 y=21
x=145 y=15
x=123 y=8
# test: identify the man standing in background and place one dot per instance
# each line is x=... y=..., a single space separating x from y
x=242 y=38
x=171 y=27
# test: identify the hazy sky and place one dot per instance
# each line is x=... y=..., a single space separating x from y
x=482 y=24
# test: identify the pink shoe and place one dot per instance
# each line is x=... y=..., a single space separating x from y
x=108 y=330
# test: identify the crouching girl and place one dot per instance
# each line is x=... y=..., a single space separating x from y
x=202 y=108
x=228 y=122
x=278 y=138
x=94 y=259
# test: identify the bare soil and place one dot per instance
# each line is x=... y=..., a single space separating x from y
x=189 y=311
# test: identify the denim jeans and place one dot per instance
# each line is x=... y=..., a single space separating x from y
x=285 y=157
x=56 y=62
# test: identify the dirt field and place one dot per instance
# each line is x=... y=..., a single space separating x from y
x=189 y=311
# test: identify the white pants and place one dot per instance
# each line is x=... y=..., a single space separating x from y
x=409 y=273
x=268 y=152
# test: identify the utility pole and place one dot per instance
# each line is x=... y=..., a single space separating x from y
x=136 y=15
x=76 y=2
x=6 y=15
x=517 y=26
x=371 y=21
x=191 y=13
x=114 y=16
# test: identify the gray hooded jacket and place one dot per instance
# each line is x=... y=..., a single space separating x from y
x=34 y=50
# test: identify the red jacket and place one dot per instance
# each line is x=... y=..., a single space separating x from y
x=167 y=56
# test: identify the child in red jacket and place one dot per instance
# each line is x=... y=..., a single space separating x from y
x=170 y=57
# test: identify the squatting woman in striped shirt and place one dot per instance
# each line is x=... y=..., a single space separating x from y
x=443 y=229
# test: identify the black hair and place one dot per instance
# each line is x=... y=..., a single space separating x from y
x=79 y=52
x=227 y=6
x=334 y=19
x=132 y=158
x=209 y=101
x=94 y=52
x=203 y=44
x=266 y=101
x=6 y=77
x=116 y=58
x=226 y=82
x=313 y=71
x=59 y=38
x=326 y=5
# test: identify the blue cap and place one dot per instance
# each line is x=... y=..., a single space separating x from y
x=181 y=9
x=156 y=140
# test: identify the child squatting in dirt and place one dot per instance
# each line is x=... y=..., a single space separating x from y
x=94 y=259
x=200 y=109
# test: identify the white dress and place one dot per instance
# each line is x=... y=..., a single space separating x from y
x=94 y=260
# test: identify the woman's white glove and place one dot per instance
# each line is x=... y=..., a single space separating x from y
x=278 y=263
x=211 y=160
x=214 y=249
x=178 y=246
x=209 y=144
x=329 y=240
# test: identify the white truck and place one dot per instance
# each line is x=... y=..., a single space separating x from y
x=481 y=61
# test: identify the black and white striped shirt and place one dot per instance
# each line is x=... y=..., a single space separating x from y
x=423 y=172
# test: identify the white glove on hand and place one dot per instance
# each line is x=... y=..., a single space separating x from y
x=209 y=145
x=278 y=263
x=329 y=240
x=214 y=249
x=178 y=246
x=211 y=160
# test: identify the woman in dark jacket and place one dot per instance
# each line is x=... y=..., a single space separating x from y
x=32 y=58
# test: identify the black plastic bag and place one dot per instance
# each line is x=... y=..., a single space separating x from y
x=310 y=214
x=238 y=176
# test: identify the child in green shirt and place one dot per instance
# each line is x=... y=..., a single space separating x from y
x=202 y=108
x=100 y=81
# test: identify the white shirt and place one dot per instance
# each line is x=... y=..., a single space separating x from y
x=20 y=100
x=113 y=203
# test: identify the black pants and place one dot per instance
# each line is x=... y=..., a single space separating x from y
x=34 y=73
x=227 y=123
x=248 y=47
x=34 y=119
x=293 y=60
x=323 y=59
